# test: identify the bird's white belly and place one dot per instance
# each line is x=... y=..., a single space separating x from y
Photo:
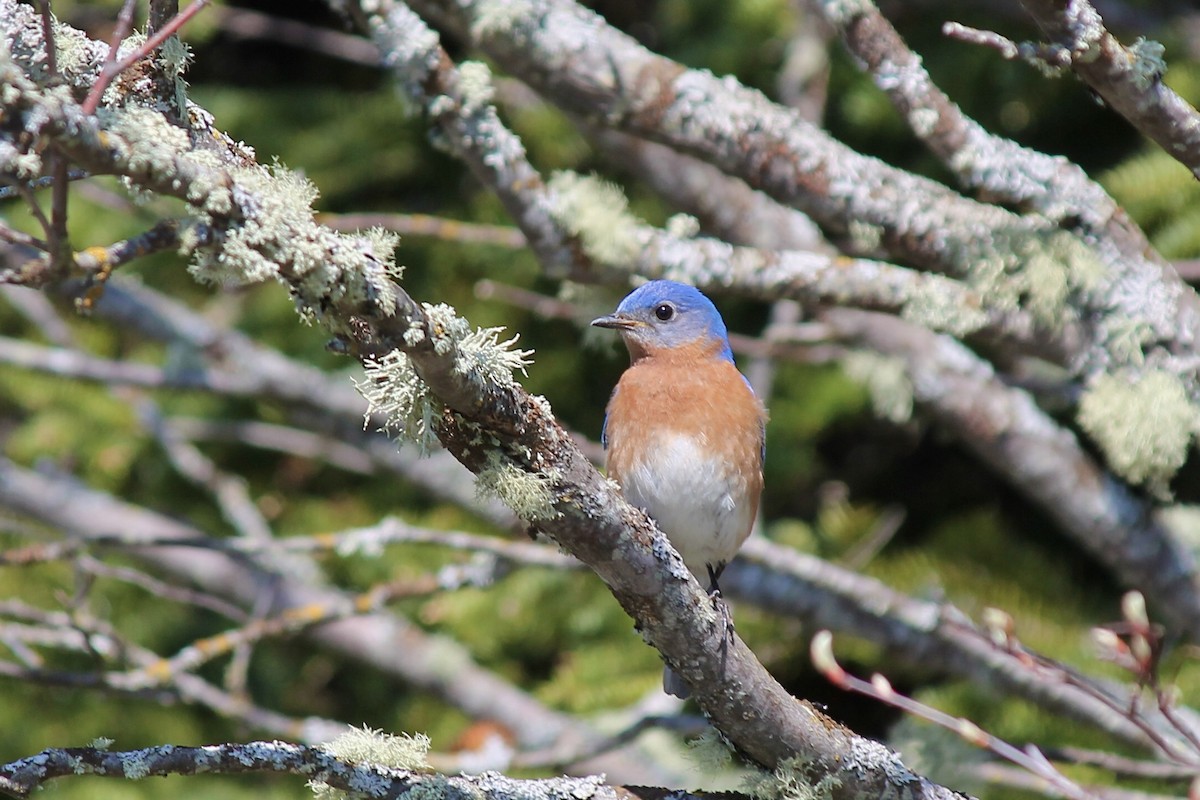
x=696 y=499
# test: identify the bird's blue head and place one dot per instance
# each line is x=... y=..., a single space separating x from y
x=662 y=315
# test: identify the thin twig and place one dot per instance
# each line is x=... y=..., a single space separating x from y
x=450 y=230
x=1048 y=56
x=115 y=67
x=7 y=192
x=15 y=236
x=48 y=38
x=1028 y=758
x=121 y=29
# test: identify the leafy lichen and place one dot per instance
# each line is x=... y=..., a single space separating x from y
x=1050 y=275
x=934 y=308
x=368 y=746
x=526 y=493
x=709 y=750
x=393 y=390
x=1143 y=425
x=598 y=213
x=273 y=235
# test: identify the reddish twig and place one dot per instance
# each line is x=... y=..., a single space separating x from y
x=115 y=67
x=1029 y=758
x=48 y=37
x=121 y=29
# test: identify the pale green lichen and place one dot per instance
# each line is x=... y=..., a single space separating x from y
x=209 y=191
x=886 y=381
x=24 y=166
x=274 y=236
x=367 y=746
x=475 y=84
x=435 y=787
x=526 y=493
x=1148 y=64
x=482 y=357
x=135 y=767
x=1044 y=274
x=1184 y=522
x=1085 y=269
x=934 y=308
x=498 y=18
x=923 y=121
x=683 y=226
x=150 y=143
x=1142 y=424
x=1126 y=338
x=446 y=327
x=598 y=213
x=79 y=56
x=394 y=391
x=794 y=779
x=865 y=236
x=173 y=58
x=709 y=750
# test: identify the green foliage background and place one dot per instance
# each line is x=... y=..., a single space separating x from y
x=966 y=536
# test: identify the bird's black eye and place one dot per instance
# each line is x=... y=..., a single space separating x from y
x=664 y=311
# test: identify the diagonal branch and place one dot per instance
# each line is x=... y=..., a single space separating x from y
x=316 y=765
x=1006 y=430
x=1128 y=78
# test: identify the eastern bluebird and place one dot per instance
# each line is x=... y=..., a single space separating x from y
x=684 y=432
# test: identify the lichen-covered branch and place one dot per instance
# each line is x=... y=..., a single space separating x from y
x=1019 y=279
x=1051 y=273
x=318 y=766
x=1004 y=427
x=1129 y=79
x=998 y=169
x=595 y=212
x=385 y=641
x=918 y=633
x=588 y=68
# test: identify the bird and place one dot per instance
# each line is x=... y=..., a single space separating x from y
x=684 y=433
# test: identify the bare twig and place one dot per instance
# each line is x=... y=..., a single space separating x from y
x=245 y=23
x=48 y=39
x=314 y=764
x=1129 y=79
x=1029 y=758
x=449 y=230
x=115 y=66
x=1048 y=55
x=1010 y=432
x=384 y=641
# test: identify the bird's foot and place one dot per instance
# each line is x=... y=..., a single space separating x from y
x=722 y=609
x=719 y=604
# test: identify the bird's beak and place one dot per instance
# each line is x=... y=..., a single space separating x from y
x=615 y=322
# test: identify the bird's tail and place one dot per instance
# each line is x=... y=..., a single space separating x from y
x=674 y=685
